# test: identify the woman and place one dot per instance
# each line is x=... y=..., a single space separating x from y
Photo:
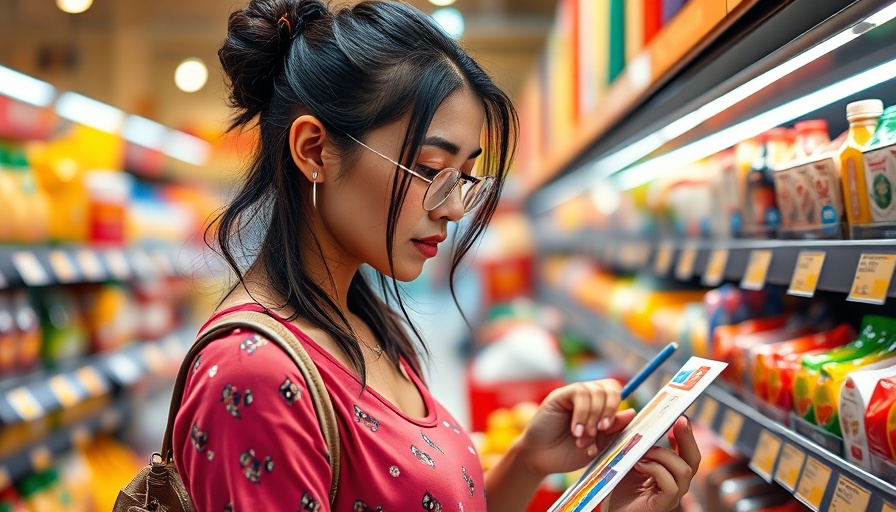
x=371 y=121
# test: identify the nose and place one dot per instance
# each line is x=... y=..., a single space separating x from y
x=452 y=208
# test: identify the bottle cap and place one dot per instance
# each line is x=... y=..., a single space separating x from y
x=864 y=108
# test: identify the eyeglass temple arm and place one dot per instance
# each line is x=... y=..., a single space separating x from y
x=424 y=178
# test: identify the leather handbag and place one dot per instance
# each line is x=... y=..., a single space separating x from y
x=158 y=487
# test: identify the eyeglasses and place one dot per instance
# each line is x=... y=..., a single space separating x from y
x=442 y=183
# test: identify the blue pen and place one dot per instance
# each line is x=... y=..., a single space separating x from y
x=651 y=367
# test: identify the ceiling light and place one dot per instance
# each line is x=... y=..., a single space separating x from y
x=441 y=3
x=89 y=112
x=451 y=21
x=22 y=87
x=191 y=75
x=74 y=6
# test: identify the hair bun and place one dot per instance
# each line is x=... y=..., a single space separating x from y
x=257 y=40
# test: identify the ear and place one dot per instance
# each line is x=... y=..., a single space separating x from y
x=307 y=140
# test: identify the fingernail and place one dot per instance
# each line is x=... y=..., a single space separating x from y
x=578 y=430
x=687 y=420
x=604 y=424
x=592 y=451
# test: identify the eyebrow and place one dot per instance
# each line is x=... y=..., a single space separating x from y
x=448 y=146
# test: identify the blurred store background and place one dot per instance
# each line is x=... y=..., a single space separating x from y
x=719 y=173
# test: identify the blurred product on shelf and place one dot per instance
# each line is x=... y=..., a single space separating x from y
x=880 y=169
x=880 y=425
x=855 y=399
x=863 y=117
x=112 y=315
x=762 y=217
x=24 y=201
x=65 y=331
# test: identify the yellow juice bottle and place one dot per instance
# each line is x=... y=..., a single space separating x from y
x=863 y=117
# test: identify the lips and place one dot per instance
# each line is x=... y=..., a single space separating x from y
x=428 y=246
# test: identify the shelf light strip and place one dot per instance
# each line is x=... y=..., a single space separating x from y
x=26 y=89
x=723 y=139
x=569 y=187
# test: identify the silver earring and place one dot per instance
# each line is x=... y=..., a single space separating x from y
x=314 y=189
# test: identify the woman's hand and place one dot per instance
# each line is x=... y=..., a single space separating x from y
x=572 y=425
x=662 y=476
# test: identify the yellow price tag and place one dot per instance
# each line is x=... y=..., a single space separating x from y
x=872 y=279
x=90 y=265
x=813 y=483
x=63 y=266
x=30 y=269
x=789 y=466
x=765 y=455
x=805 y=275
x=715 y=269
x=685 y=268
x=757 y=270
x=888 y=508
x=663 y=261
x=708 y=412
x=63 y=390
x=91 y=380
x=849 y=497
x=732 y=423
x=25 y=404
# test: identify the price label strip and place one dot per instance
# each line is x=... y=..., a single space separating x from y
x=715 y=269
x=813 y=483
x=90 y=265
x=873 y=276
x=765 y=455
x=849 y=497
x=30 y=268
x=757 y=270
x=732 y=423
x=25 y=404
x=789 y=466
x=663 y=260
x=118 y=265
x=91 y=380
x=685 y=268
x=63 y=266
x=63 y=390
x=708 y=412
x=805 y=275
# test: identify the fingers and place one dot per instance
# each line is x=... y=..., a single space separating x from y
x=676 y=467
x=594 y=407
x=668 y=496
x=620 y=421
x=685 y=444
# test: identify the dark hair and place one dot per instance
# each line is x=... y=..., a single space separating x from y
x=355 y=69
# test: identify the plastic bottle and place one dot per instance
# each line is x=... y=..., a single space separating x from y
x=30 y=335
x=880 y=168
x=863 y=117
x=762 y=207
x=64 y=331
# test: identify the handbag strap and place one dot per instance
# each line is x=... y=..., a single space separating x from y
x=278 y=333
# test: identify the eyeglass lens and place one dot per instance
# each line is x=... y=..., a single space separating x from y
x=444 y=184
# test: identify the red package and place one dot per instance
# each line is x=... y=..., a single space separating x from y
x=880 y=420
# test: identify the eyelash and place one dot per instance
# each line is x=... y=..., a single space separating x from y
x=429 y=172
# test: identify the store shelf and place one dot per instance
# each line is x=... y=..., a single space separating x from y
x=52 y=265
x=36 y=395
x=738 y=424
x=631 y=253
x=47 y=393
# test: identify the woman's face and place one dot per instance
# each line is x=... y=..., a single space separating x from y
x=354 y=207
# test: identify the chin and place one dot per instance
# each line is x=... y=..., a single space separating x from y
x=407 y=273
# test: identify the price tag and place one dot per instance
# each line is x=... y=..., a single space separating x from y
x=90 y=265
x=732 y=423
x=63 y=390
x=685 y=268
x=118 y=265
x=888 y=508
x=90 y=379
x=873 y=277
x=715 y=269
x=41 y=458
x=805 y=275
x=708 y=412
x=124 y=369
x=765 y=455
x=663 y=261
x=813 y=483
x=789 y=466
x=30 y=269
x=849 y=497
x=757 y=270
x=63 y=266
x=25 y=404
